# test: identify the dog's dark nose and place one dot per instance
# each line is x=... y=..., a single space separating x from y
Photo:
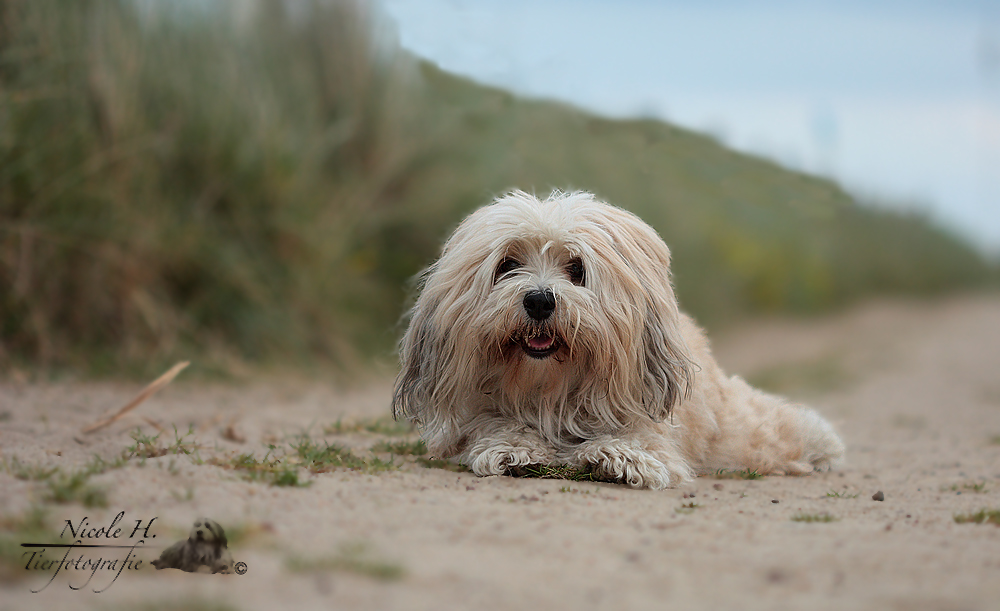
x=539 y=304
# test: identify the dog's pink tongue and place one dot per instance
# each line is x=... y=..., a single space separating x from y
x=541 y=343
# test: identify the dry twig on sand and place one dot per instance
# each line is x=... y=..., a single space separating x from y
x=146 y=393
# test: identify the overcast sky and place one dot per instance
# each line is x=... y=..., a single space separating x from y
x=900 y=100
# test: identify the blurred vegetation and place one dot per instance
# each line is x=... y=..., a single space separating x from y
x=258 y=181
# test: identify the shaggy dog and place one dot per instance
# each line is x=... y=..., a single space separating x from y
x=205 y=550
x=548 y=334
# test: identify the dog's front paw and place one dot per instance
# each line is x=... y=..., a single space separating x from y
x=625 y=462
x=505 y=458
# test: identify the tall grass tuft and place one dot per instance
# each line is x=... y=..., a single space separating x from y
x=181 y=176
x=258 y=180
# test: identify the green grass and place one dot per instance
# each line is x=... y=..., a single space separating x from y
x=321 y=459
x=738 y=474
x=30 y=527
x=376 y=426
x=75 y=488
x=27 y=472
x=66 y=487
x=438 y=463
x=837 y=494
x=983 y=516
x=147 y=446
x=178 y=183
x=402 y=448
x=814 y=517
x=272 y=471
x=355 y=558
x=553 y=472
x=687 y=507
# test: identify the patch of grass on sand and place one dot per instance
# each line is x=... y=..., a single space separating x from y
x=837 y=494
x=739 y=474
x=402 y=448
x=995 y=440
x=440 y=463
x=27 y=528
x=30 y=473
x=63 y=487
x=268 y=470
x=75 y=488
x=321 y=459
x=354 y=558
x=687 y=507
x=378 y=426
x=316 y=457
x=553 y=472
x=813 y=517
x=146 y=446
x=983 y=516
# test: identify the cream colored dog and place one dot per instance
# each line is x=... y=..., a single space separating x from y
x=548 y=334
x=205 y=550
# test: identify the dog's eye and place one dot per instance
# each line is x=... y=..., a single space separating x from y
x=576 y=272
x=505 y=266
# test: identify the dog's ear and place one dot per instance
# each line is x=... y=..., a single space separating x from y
x=217 y=533
x=430 y=380
x=419 y=353
x=666 y=370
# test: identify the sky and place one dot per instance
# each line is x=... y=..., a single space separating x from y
x=899 y=100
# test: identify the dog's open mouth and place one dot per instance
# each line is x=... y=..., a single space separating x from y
x=540 y=346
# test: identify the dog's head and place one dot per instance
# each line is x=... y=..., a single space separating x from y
x=561 y=310
x=208 y=532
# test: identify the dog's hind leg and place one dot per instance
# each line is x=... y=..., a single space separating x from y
x=764 y=433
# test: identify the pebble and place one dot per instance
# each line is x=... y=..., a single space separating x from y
x=774 y=500
x=878 y=496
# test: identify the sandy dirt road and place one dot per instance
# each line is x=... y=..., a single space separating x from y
x=914 y=389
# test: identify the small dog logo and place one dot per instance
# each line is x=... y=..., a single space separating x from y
x=206 y=550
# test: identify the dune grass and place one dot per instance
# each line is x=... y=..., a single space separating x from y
x=243 y=183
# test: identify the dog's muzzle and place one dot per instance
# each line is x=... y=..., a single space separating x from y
x=539 y=304
x=540 y=341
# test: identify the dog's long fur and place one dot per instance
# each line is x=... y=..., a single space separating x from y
x=626 y=387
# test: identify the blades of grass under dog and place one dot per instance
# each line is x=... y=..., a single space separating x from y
x=146 y=393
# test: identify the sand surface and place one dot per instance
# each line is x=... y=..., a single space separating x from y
x=914 y=389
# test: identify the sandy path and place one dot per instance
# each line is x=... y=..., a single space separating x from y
x=913 y=388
